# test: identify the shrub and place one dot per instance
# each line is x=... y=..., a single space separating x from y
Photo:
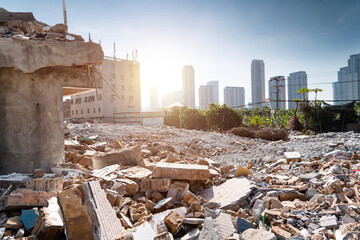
x=192 y=118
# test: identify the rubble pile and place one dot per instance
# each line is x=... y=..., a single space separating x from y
x=29 y=28
x=140 y=186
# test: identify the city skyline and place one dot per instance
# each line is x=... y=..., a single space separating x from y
x=218 y=38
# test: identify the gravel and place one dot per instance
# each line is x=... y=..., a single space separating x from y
x=224 y=148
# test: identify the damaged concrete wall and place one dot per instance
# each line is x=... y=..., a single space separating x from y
x=32 y=74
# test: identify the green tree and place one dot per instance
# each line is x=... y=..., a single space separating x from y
x=222 y=118
x=192 y=118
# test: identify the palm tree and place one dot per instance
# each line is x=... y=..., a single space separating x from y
x=316 y=90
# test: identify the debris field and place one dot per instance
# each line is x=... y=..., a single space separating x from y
x=133 y=182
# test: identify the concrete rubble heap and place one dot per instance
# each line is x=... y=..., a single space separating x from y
x=152 y=191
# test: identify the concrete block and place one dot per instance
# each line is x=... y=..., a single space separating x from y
x=38 y=173
x=28 y=217
x=75 y=211
x=329 y=221
x=14 y=223
x=228 y=194
x=159 y=185
x=181 y=171
x=124 y=157
x=105 y=223
x=292 y=156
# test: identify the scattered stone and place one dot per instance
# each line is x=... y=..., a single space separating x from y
x=14 y=223
x=38 y=173
x=328 y=221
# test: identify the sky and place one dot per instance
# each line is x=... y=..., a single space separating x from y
x=219 y=38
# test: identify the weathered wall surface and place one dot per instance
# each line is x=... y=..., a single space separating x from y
x=32 y=74
x=31 y=123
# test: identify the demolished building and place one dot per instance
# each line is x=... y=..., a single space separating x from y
x=36 y=61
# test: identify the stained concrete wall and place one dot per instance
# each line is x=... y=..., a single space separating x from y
x=31 y=116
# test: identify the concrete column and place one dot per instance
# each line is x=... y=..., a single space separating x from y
x=31 y=123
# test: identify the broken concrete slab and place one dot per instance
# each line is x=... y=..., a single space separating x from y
x=144 y=231
x=48 y=53
x=124 y=157
x=136 y=173
x=74 y=210
x=230 y=193
x=105 y=223
x=181 y=171
x=224 y=225
x=209 y=230
x=329 y=221
x=251 y=234
x=27 y=198
x=104 y=172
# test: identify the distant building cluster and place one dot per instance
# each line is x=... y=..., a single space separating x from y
x=347 y=86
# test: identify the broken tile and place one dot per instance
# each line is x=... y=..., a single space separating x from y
x=105 y=223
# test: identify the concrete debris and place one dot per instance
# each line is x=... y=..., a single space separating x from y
x=181 y=171
x=183 y=194
x=251 y=234
x=105 y=223
x=224 y=225
x=229 y=194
